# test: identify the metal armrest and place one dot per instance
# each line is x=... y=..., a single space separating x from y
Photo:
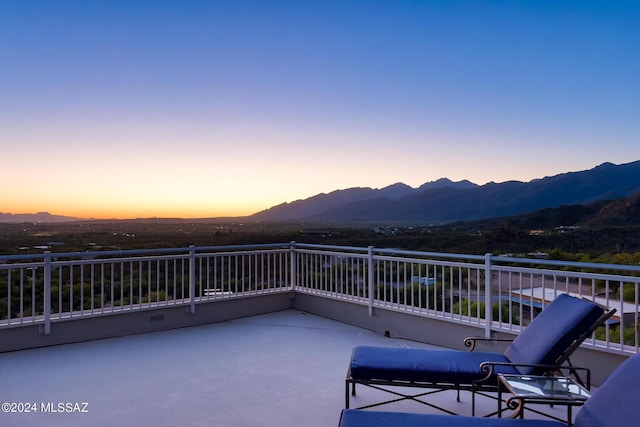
x=470 y=342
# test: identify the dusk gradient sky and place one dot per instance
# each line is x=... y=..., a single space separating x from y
x=124 y=109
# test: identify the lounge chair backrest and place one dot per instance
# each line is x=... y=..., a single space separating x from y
x=615 y=402
x=553 y=331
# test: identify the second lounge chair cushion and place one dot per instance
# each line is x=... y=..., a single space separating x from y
x=615 y=403
x=356 y=418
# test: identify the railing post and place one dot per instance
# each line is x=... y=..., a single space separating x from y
x=293 y=276
x=192 y=279
x=47 y=293
x=488 y=311
x=370 y=281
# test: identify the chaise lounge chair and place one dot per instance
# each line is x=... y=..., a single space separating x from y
x=613 y=404
x=541 y=348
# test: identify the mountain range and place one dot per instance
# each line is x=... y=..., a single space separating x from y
x=574 y=196
x=444 y=201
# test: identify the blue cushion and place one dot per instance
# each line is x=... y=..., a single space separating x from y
x=406 y=364
x=553 y=331
x=356 y=418
x=615 y=403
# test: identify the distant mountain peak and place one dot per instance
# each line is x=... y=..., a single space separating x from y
x=605 y=165
x=396 y=191
x=446 y=182
x=397 y=185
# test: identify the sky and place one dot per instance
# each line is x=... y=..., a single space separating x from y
x=133 y=109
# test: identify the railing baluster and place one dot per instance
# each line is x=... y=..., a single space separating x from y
x=47 y=293
x=370 y=280
x=192 y=279
x=488 y=312
x=9 y=296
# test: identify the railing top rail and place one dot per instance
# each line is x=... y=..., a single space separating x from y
x=88 y=254
x=228 y=248
x=566 y=273
x=391 y=251
x=329 y=247
x=134 y=252
x=558 y=263
x=421 y=254
x=245 y=251
x=25 y=257
x=344 y=249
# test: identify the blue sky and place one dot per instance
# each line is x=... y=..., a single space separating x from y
x=212 y=108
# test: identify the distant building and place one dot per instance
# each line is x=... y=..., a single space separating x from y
x=424 y=281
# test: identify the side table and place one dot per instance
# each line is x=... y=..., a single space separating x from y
x=536 y=389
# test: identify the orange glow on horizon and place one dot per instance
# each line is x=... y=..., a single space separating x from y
x=122 y=212
x=126 y=214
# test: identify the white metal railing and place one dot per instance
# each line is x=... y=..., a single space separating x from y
x=488 y=292
x=470 y=288
x=51 y=287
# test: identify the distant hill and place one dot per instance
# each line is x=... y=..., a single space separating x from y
x=37 y=217
x=602 y=213
x=444 y=201
x=619 y=212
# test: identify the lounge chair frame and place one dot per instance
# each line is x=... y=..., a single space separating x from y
x=486 y=386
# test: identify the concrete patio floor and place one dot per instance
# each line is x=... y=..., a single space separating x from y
x=280 y=369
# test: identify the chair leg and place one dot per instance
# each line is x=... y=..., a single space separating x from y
x=346 y=402
x=458 y=397
x=473 y=400
x=353 y=389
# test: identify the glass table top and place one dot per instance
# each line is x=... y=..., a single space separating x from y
x=544 y=386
